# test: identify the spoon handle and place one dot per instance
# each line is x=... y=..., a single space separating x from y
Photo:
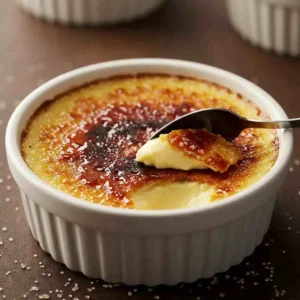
x=291 y=123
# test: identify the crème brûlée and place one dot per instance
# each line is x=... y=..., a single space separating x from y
x=85 y=141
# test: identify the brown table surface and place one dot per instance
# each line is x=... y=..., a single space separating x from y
x=33 y=51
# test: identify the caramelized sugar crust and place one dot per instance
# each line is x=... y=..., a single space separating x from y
x=84 y=142
x=204 y=146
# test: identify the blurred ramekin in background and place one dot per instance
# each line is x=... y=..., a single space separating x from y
x=271 y=24
x=89 y=12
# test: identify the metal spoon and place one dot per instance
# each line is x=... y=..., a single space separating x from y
x=221 y=121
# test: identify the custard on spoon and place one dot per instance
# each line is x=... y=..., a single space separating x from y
x=187 y=149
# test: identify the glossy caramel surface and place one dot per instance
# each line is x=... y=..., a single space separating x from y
x=84 y=142
x=199 y=144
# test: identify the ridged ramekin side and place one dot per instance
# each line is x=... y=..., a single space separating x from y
x=272 y=25
x=150 y=260
x=89 y=11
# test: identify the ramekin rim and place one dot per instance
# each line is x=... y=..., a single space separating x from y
x=14 y=152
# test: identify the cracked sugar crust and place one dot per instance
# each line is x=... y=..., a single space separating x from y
x=84 y=142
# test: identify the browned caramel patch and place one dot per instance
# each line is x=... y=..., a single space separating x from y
x=204 y=146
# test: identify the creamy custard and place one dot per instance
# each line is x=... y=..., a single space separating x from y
x=84 y=142
x=188 y=149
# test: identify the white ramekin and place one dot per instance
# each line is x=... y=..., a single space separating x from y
x=271 y=24
x=81 y=12
x=146 y=247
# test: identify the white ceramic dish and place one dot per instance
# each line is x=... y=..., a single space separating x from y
x=89 y=12
x=146 y=247
x=270 y=24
